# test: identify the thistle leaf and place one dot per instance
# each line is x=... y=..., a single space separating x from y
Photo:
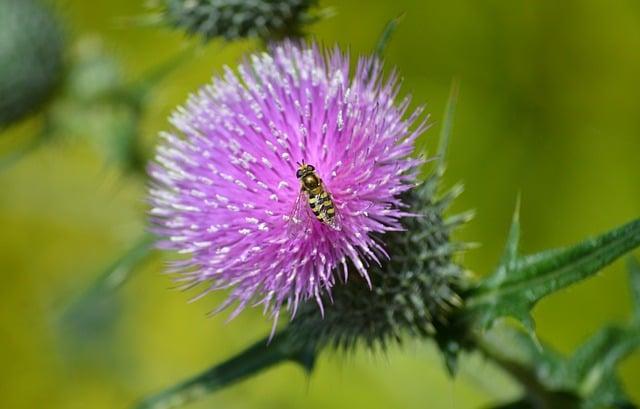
x=520 y=282
x=587 y=379
x=258 y=357
x=510 y=254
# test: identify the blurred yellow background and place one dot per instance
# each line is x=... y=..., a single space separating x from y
x=549 y=107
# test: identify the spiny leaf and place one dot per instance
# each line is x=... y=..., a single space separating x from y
x=510 y=254
x=506 y=267
x=260 y=356
x=589 y=375
x=520 y=282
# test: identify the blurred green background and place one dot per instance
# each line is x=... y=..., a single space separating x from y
x=549 y=107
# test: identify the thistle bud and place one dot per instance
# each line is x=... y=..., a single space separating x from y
x=31 y=48
x=233 y=19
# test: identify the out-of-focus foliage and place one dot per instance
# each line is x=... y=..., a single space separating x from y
x=92 y=105
x=547 y=109
x=92 y=313
x=586 y=379
x=31 y=57
x=99 y=104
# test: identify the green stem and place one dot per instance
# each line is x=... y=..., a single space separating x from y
x=260 y=356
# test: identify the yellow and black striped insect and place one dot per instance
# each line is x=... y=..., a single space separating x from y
x=319 y=199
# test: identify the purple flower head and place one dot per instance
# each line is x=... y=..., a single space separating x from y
x=227 y=192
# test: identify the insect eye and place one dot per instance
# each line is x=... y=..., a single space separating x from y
x=299 y=174
x=311 y=167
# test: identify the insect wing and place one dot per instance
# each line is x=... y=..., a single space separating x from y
x=296 y=221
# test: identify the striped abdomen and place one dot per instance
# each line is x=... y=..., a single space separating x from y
x=322 y=205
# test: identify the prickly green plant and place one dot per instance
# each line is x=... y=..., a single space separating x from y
x=31 y=57
x=234 y=19
x=425 y=293
x=414 y=294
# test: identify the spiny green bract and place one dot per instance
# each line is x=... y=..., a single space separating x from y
x=31 y=48
x=413 y=293
x=232 y=19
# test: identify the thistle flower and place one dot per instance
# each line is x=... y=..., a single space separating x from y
x=224 y=183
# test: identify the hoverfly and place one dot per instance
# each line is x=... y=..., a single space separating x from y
x=313 y=191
